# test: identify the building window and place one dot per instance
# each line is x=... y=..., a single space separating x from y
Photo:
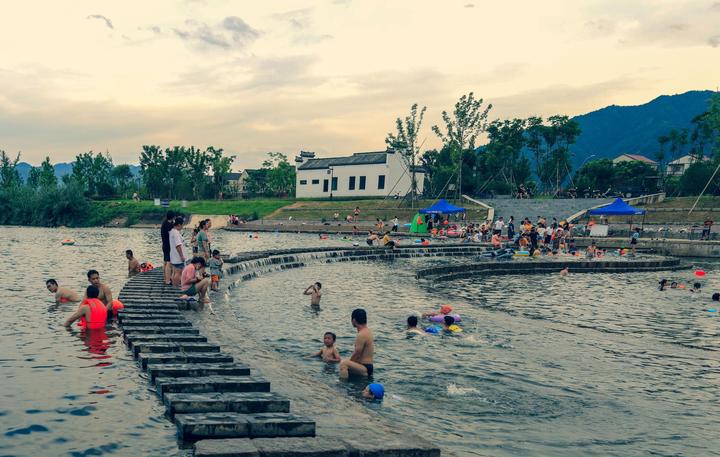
x=316 y=181
x=334 y=184
x=381 y=182
x=362 y=183
x=351 y=184
x=303 y=182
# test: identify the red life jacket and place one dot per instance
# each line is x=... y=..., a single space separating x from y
x=98 y=314
x=117 y=305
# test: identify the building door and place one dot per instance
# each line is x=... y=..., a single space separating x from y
x=325 y=185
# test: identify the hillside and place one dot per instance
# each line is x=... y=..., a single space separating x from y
x=614 y=130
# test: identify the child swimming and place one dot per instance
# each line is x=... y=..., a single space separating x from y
x=450 y=326
x=374 y=391
x=328 y=352
x=412 y=327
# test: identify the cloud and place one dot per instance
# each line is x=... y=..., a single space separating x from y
x=601 y=27
x=298 y=19
x=231 y=32
x=469 y=5
x=300 y=22
x=714 y=41
x=107 y=21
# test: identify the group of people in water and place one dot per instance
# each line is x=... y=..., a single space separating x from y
x=97 y=306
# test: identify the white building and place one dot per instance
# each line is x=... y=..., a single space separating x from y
x=678 y=167
x=363 y=174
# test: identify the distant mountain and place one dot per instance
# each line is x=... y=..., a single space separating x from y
x=61 y=169
x=615 y=130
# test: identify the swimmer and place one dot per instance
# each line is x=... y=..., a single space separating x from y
x=412 y=327
x=374 y=391
x=62 y=295
x=564 y=272
x=133 y=263
x=315 y=292
x=449 y=325
x=105 y=295
x=91 y=312
x=328 y=352
x=674 y=285
x=444 y=309
x=662 y=284
x=696 y=287
x=716 y=297
x=360 y=362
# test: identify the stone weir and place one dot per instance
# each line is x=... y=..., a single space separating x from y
x=532 y=266
x=216 y=401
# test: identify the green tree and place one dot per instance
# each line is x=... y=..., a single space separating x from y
x=697 y=175
x=221 y=166
x=198 y=163
x=440 y=169
x=405 y=140
x=595 y=175
x=153 y=170
x=503 y=157
x=280 y=174
x=9 y=176
x=94 y=173
x=43 y=176
x=462 y=128
x=123 y=180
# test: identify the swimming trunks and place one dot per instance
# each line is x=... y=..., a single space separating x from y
x=191 y=291
x=369 y=367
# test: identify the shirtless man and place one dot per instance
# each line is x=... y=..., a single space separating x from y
x=105 y=294
x=62 y=295
x=360 y=362
x=133 y=263
x=314 y=290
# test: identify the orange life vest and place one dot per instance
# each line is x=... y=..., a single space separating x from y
x=117 y=305
x=98 y=314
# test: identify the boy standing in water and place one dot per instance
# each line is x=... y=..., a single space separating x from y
x=215 y=263
x=329 y=352
x=133 y=263
x=314 y=290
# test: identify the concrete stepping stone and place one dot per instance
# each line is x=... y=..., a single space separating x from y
x=126 y=317
x=183 y=357
x=142 y=312
x=180 y=370
x=157 y=323
x=168 y=337
x=149 y=307
x=276 y=447
x=154 y=330
x=171 y=346
x=204 y=384
x=237 y=402
x=225 y=425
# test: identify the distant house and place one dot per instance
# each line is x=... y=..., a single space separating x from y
x=679 y=166
x=635 y=158
x=362 y=174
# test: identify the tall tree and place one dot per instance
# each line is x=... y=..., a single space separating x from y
x=467 y=122
x=280 y=174
x=42 y=177
x=405 y=140
x=153 y=170
x=221 y=166
x=9 y=176
x=94 y=173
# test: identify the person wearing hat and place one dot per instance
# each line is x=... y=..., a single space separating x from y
x=374 y=391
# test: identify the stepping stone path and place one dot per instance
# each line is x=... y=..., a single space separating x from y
x=216 y=401
x=205 y=391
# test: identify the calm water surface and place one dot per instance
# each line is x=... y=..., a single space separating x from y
x=589 y=365
x=64 y=393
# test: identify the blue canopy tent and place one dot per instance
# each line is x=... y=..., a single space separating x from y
x=442 y=207
x=619 y=208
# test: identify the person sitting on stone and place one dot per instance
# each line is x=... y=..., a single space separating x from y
x=194 y=280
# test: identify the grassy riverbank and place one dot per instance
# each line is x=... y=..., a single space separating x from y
x=128 y=212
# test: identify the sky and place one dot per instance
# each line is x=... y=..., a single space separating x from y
x=328 y=76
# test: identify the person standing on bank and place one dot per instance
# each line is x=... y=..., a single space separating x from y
x=177 y=255
x=165 y=228
x=634 y=240
x=360 y=362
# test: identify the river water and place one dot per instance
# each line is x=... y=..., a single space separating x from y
x=63 y=393
x=591 y=365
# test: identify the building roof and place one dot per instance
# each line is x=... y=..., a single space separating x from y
x=232 y=176
x=638 y=158
x=358 y=158
x=686 y=159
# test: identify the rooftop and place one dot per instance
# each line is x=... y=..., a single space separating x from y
x=358 y=158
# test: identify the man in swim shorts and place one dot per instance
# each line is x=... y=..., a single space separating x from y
x=315 y=292
x=360 y=362
x=165 y=228
x=62 y=295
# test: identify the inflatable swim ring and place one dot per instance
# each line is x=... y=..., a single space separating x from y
x=455 y=329
x=67 y=242
x=441 y=317
x=433 y=329
x=522 y=253
x=146 y=266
